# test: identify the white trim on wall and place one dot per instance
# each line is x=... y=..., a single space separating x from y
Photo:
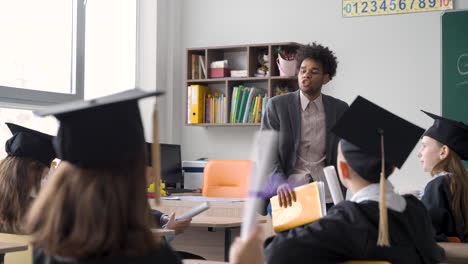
x=158 y=63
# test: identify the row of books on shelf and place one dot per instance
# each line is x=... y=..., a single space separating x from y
x=247 y=105
x=216 y=108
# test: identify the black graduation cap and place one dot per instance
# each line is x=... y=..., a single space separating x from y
x=375 y=140
x=361 y=128
x=449 y=132
x=93 y=132
x=30 y=143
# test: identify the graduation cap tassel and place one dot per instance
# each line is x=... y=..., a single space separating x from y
x=383 y=239
x=156 y=157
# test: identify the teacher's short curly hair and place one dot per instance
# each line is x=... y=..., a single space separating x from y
x=318 y=53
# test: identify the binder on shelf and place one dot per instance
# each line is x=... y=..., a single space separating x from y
x=198 y=103
x=189 y=104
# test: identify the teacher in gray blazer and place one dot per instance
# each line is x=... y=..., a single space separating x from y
x=303 y=119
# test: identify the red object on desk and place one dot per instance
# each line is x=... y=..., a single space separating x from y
x=219 y=72
x=453 y=239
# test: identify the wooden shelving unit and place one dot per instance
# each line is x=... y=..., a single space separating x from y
x=240 y=57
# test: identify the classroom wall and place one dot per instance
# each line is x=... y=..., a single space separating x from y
x=392 y=60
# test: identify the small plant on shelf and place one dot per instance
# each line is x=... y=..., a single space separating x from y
x=286 y=61
x=288 y=54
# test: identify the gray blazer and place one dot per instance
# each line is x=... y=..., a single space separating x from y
x=283 y=115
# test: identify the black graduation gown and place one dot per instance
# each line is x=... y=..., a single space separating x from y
x=157 y=220
x=157 y=217
x=438 y=200
x=349 y=232
x=163 y=254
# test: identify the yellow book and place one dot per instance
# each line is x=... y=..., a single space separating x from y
x=215 y=108
x=258 y=114
x=309 y=206
x=254 y=110
x=197 y=106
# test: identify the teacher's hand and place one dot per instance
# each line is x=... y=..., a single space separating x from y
x=286 y=195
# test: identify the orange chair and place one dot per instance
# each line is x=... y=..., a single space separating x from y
x=226 y=178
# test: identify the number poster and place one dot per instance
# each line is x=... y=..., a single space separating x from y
x=356 y=8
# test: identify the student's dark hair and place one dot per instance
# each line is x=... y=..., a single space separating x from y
x=458 y=183
x=18 y=177
x=318 y=53
x=96 y=212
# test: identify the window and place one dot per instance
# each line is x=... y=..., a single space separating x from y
x=110 y=60
x=42 y=43
x=43 y=60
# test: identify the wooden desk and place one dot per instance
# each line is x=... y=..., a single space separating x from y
x=163 y=232
x=455 y=252
x=11 y=247
x=221 y=215
x=226 y=223
x=224 y=209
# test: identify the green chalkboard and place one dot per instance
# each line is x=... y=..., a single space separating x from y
x=455 y=66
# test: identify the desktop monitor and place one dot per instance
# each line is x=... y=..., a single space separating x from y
x=171 y=166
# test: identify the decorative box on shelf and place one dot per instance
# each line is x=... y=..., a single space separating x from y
x=219 y=72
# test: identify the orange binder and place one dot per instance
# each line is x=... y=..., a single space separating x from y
x=309 y=206
x=197 y=105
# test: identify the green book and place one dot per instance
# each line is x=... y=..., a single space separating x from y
x=240 y=88
x=245 y=97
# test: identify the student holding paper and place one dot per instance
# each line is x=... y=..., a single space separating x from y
x=303 y=120
x=94 y=209
x=443 y=147
x=375 y=224
x=163 y=220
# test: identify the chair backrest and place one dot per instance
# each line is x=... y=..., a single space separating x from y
x=226 y=178
x=21 y=257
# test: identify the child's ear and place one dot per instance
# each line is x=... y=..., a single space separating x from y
x=344 y=169
x=444 y=151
